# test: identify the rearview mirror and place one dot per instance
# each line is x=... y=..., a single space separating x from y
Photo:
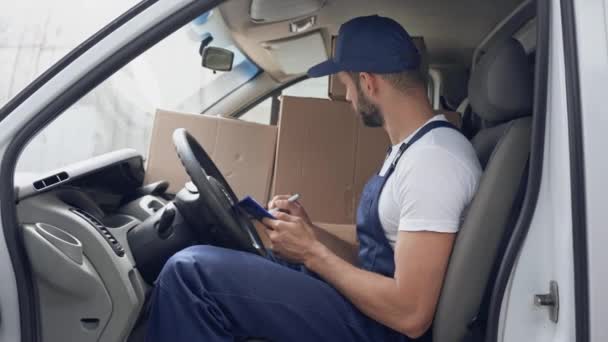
x=217 y=59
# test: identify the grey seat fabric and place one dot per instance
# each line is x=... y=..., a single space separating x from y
x=500 y=92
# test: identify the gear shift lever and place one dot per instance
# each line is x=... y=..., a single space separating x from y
x=165 y=224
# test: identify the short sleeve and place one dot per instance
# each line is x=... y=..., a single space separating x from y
x=432 y=190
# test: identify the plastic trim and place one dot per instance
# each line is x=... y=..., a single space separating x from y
x=505 y=29
x=577 y=173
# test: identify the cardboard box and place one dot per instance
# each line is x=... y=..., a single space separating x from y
x=337 y=91
x=325 y=153
x=344 y=243
x=243 y=151
x=372 y=145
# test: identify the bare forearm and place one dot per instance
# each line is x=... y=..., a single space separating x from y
x=374 y=294
x=405 y=302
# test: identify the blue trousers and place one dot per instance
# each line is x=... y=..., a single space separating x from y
x=207 y=293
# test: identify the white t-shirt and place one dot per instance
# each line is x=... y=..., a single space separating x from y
x=432 y=185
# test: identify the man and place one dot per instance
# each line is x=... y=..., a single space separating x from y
x=406 y=224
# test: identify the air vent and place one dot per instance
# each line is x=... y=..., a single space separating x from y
x=102 y=229
x=51 y=180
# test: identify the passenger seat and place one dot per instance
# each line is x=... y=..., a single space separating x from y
x=501 y=93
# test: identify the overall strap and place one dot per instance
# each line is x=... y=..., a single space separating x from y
x=421 y=132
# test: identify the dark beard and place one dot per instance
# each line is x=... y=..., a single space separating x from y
x=370 y=114
x=372 y=119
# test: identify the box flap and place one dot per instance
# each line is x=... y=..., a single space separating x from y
x=243 y=151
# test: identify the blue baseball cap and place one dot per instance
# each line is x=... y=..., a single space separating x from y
x=370 y=44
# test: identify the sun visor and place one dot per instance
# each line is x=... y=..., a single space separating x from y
x=294 y=56
x=269 y=11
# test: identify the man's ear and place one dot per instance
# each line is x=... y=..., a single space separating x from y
x=369 y=84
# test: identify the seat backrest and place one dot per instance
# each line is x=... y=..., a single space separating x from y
x=500 y=92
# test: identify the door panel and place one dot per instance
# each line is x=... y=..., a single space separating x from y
x=69 y=288
x=547 y=253
x=591 y=40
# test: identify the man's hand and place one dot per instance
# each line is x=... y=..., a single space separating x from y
x=292 y=238
x=343 y=249
x=292 y=208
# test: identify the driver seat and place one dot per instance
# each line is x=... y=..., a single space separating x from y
x=501 y=93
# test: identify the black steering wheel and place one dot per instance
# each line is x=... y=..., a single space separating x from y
x=215 y=197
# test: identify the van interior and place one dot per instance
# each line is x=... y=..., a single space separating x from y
x=97 y=232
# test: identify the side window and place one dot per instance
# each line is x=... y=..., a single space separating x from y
x=119 y=112
x=266 y=112
x=262 y=112
x=312 y=87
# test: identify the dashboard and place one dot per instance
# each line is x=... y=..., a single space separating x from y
x=76 y=221
x=119 y=171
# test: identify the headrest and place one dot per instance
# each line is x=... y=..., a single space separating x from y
x=501 y=86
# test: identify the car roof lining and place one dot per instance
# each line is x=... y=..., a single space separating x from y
x=452 y=30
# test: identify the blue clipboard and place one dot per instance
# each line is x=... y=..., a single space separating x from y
x=253 y=208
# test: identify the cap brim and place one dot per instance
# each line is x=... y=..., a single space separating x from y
x=323 y=69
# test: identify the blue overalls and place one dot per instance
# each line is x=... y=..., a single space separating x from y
x=207 y=293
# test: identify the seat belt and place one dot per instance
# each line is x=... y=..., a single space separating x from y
x=476 y=330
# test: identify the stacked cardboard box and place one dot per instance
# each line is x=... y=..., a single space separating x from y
x=326 y=154
x=320 y=149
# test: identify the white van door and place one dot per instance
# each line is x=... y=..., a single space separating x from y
x=556 y=290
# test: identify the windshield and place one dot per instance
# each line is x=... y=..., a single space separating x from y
x=119 y=112
x=36 y=34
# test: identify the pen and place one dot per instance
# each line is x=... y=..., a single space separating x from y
x=291 y=199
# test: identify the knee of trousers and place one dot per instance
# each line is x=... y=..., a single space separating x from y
x=206 y=267
x=196 y=267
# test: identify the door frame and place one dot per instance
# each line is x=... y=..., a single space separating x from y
x=166 y=16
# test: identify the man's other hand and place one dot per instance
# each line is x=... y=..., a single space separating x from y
x=296 y=209
x=292 y=237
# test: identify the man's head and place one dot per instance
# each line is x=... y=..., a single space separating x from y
x=375 y=58
x=365 y=91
